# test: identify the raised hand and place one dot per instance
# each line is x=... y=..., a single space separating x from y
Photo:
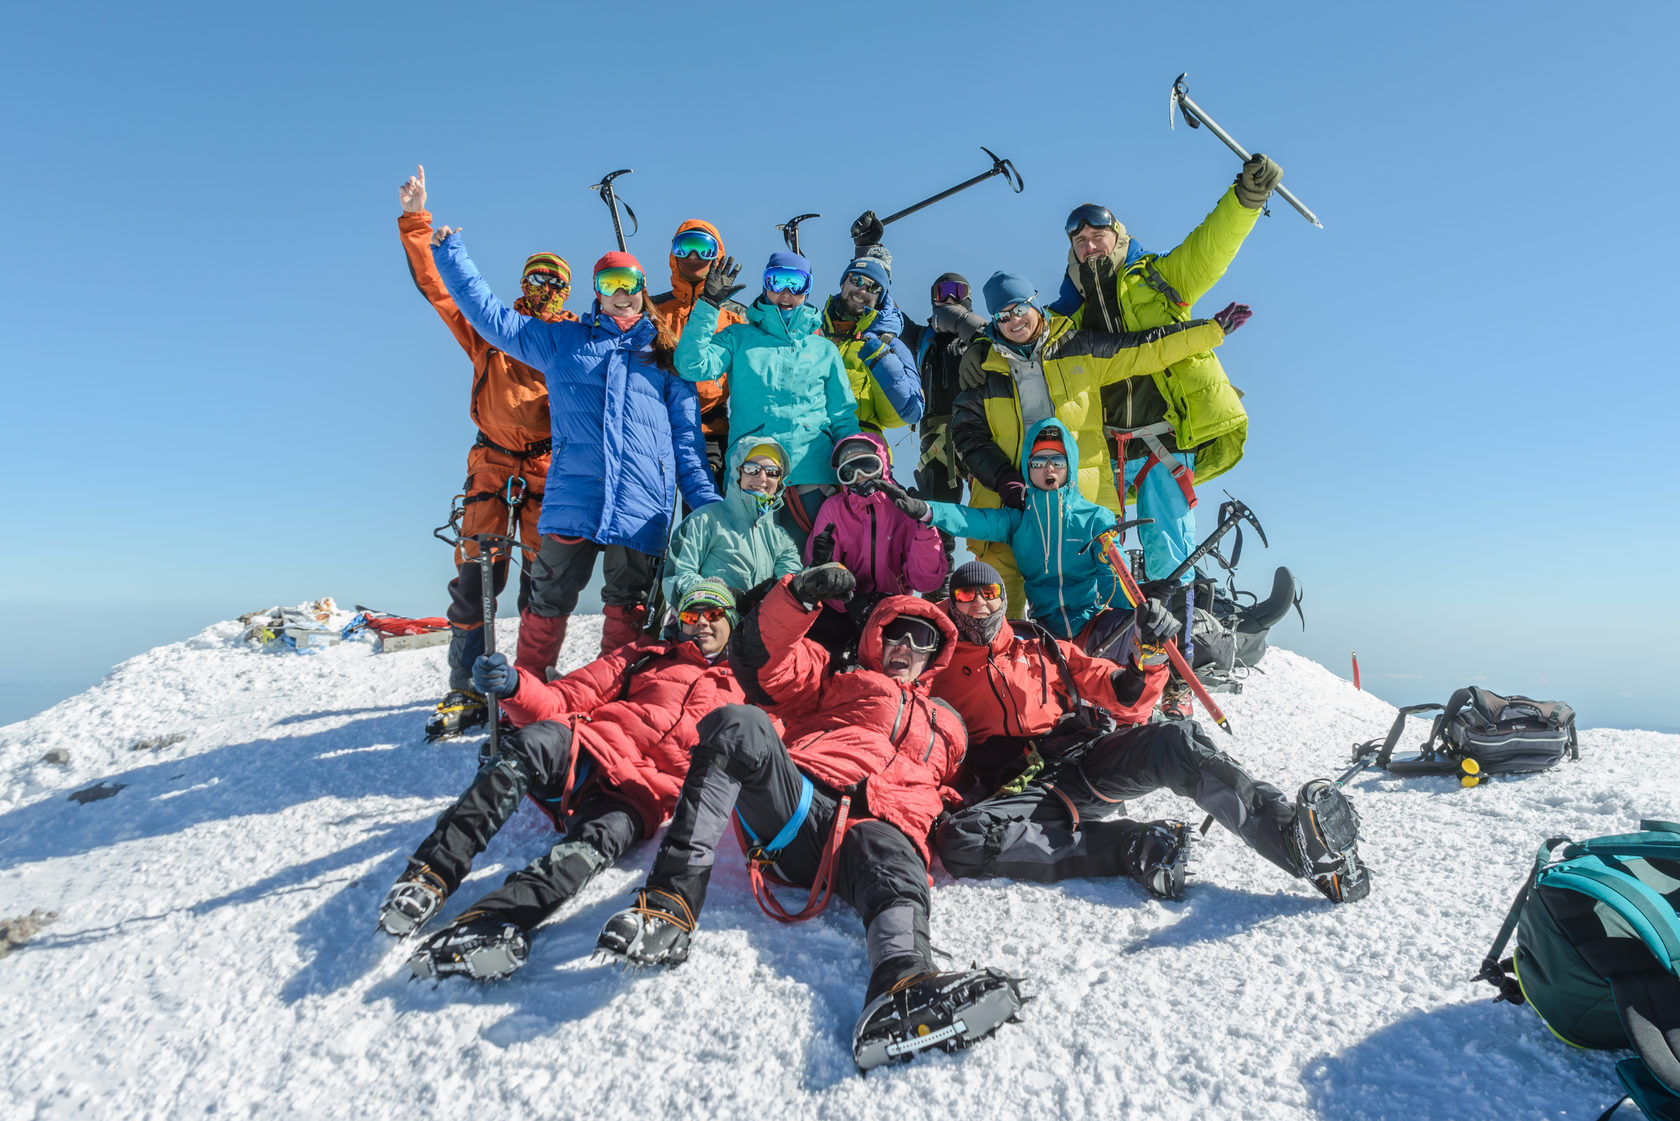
x=412 y=194
x=720 y=282
x=1257 y=180
x=1232 y=316
x=442 y=232
x=824 y=581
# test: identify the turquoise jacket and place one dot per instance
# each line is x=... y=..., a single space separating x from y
x=1067 y=582
x=737 y=540
x=785 y=381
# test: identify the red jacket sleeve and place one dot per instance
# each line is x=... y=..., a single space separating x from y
x=583 y=690
x=1095 y=678
x=416 y=232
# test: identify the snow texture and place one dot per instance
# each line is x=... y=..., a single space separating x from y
x=215 y=951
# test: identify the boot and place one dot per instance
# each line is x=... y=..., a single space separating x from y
x=540 y=639
x=1175 y=700
x=622 y=625
x=1325 y=842
x=461 y=710
x=414 y=898
x=475 y=945
x=1157 y=856
x=653 y=932
x=945 y=1010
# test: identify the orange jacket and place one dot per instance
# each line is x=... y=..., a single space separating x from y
x=672 y=310
x=509 y=398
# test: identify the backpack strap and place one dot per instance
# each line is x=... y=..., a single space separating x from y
x=1494 y=971
x=1386 y=752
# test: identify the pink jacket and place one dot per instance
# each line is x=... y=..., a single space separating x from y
x=888 y=552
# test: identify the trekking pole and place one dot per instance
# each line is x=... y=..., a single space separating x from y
x=790 y=230
x=1231 y=513
x=999 y=167
x=1195 y=116
x=613 y=203
x=487 y=544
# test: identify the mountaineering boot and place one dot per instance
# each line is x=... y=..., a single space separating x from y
x=1175 y=700
x=1157 y=856
x=1325 y=842
x=945 y=1010
x=620 y=625
x=475 y=945
x=414 y=898
x=460 y=711
x=653 y=932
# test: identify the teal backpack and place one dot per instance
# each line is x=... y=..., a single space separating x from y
x=1598 y=954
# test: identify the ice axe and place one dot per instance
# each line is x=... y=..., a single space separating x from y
x=1195 y=116
x=613 y=203
x=1232 y=514
x=488 y=545
x=790 y=230
x=999 y=167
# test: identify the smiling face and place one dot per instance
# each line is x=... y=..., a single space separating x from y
x=1094 y=241
x=900 y=660
x=785 y=299
x=762 y=481
x=1023 y=327
x=621 y=304
x=853 y=299
x=980 y=607
x=710 y=635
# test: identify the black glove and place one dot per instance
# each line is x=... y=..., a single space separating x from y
x=1128 y=682
x=858 y=792
x=867 y=231
x=1232 y=316
x=823 y=581
x=1155 y=624
x=1257 y=180
x=720 y=282
x=822 y=546
x=954 y=319
x=911 y=506
x=1012 y=490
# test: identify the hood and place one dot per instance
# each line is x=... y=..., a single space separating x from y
x=1068 y=442
x=686 y=290
x=869 y=646
x=767 y=317
x=1124 y=255
x=738 y=452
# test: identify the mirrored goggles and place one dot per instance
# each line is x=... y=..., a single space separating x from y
x=919 y=634
x=783 y=279
x=545 y=280
x=768 y=470
x=1097 y=217
x=950 y=292
x=1014 y=311
x=859 y=467
x=695 y=614
x=695 y=243
x=1039 y=462
x=608 y=281
x=862 y=283
x=977 y=591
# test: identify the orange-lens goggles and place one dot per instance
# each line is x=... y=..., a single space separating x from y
x=977 y=591
x=710 y=614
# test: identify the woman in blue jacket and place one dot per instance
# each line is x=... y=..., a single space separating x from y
x=626 y=433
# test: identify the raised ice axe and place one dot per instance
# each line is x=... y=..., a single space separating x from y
x=613 y=203
x=999 y=166
x=1195 y=116
x=790 y=230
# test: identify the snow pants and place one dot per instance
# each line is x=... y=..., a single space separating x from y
x=534 y=760
x=486 y=511
x=740 y=764
x=1172 y=536
x=1040 y=834
x=559 y=574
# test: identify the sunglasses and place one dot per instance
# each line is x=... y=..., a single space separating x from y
x=864 y=283
x=545 y=280
x=608 y=281
x=977 y=591
x=753 y=470
x=1017 y=311
x=859 y=467
x=1097 y=217
x=695 y=243
x=918 y=634
x=783 y=279
x=950 y=292
x=1039 y=462
x=694 y=615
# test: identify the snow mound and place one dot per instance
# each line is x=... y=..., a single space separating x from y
x=214 y=949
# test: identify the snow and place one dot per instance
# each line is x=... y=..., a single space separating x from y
x=214 y=949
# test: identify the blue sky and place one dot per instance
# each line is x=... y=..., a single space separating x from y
x=223 y=391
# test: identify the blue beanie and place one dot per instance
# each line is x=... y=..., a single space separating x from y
x=1006 y=289
x=782 y=259
x=870 y=267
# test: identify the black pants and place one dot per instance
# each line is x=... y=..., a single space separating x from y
x=565 y=564
x=741 y=764
x=1033 y=835
x=938 y=478
x=533 y=760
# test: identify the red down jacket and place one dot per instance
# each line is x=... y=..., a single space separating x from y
x=861 y=724
x=638 y=727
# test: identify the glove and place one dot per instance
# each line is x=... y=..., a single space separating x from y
x=858 y=792
x=1128 y=682
x=867 y=231
x=1155 y=624
x=954 y=319
x=874 y=346
x=493 y=676
x=822 y=546
x=1257 y=180
x=720 y=282
x=911 y=506
x=1232 y=316
x=1012 y=489
x=972 y=372
x=820 y=582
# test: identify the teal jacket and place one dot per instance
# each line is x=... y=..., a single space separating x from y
x=1066 y=581
x=785 y=381
x=736 y=540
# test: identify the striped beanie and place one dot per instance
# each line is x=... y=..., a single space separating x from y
x=547 y=262
x=710 y=592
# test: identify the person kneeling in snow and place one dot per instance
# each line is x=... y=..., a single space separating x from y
x=602 y=750
x=843 y=802
x=1052 y=761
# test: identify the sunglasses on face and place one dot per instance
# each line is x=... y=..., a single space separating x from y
x=1040 y=462
x=864 y=284
x=694 y=615
x=695 y=243
x=781 y=279
x=977 y=591
x=918 y=634
x=950 y=292
x=1097 y=217
x=1008 y=314
x=545 y=280
x=859 y=467
x=753 y=470
x=608 y=281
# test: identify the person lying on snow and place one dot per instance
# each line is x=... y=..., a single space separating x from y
x=1057 y=736
x=741 y=540
x=843 y=802
x=602 y=751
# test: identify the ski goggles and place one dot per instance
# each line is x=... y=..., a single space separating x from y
x=608 y=281
x=783 y=279
x=1013 y=312
x=1040 y=462
x=950 y=292
x=859 y=467
x=977 y=591
x=544 y=280
x=863 y=283
x=695 y=243
x=768 y=470
x=693 y=615
x=1097 y=217
x=919 y=634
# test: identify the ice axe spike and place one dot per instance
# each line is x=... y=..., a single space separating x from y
x=613 y=203
x=790 y=229
x=1000 y=166
x=1195 y=116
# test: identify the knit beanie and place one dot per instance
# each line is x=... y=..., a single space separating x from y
x=1006 y=289
x=975 y=574
x=710 y=592
x=870 y=267
x=548 y=262
x=851 y=447
x=979 y=631
x=782 y=259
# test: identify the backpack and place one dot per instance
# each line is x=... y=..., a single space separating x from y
x=1482 y=733
x=1598 y=950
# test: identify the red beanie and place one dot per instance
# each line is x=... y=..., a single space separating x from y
x=618 y=259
